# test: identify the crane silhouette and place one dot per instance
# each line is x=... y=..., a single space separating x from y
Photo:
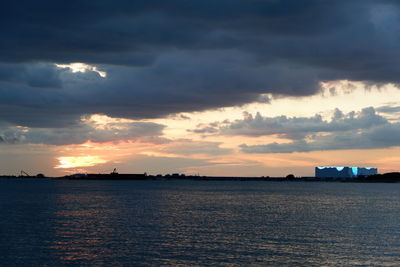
x=23 y=173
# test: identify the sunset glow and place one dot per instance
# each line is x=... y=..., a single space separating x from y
x=83 y=161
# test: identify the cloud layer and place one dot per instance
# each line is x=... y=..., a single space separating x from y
x=380 y=137
x=300 y=127
x=364 y=129
x=163 y=57
x=355 y=130
x=87 y=130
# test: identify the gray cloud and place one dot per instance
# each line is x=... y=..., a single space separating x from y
x=184 y=117
x=296 y=127
x=363 y=130
x=389 y=109
x=167 y=57
x=114 y=132
x=204 y=130
x=383 y=136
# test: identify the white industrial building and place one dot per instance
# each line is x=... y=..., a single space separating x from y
x=344 y=172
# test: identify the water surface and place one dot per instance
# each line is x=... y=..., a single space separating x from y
x=181 y=223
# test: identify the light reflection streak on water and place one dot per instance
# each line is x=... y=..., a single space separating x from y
x=84 y=220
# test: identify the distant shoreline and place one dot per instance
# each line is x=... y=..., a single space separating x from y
x=379 y=178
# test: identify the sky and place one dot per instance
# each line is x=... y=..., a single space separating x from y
x=229 y=88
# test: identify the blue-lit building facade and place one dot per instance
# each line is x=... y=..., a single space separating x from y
x=344 y=172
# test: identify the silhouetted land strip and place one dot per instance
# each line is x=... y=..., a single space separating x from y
x=393 y=177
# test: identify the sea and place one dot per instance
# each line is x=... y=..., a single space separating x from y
x=48 y=222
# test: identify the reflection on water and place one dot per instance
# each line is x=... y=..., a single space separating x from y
x=83 y=221
x=152 y=223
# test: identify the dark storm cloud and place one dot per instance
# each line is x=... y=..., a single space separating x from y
x=77 y=30
x=163 y=57
x=31 y=75
x=194 y=82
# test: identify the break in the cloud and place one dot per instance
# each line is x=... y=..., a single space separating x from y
x=362 y=130
x=163 y=57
